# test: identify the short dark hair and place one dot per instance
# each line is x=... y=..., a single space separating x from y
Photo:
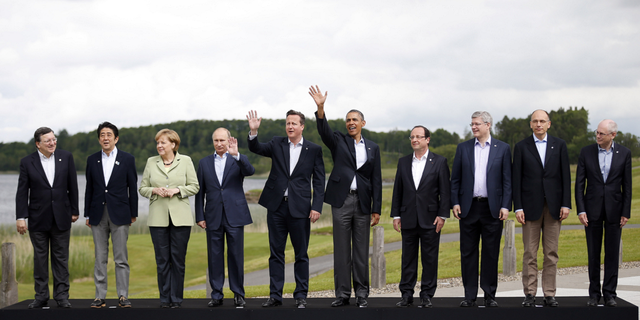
x=41 y=131
x=358 y=111
x=427 y=134
x=108 y=125
x=296 y=113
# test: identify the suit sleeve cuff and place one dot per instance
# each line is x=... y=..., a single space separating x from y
x=251 y=137
x=237 y=157
x=581 y=213
x=396 y=218
x=518 y=210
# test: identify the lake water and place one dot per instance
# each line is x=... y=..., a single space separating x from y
x=9 y=185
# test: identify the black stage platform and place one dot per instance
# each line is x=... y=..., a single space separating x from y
x=320 y=309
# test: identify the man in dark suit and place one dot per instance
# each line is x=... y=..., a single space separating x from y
x=481 y=199
x=605 y=207
x=47 y=196
x=419 y=207
x=354 y=192
x=111 y=206
x=287 y=197
x=224 y=213
x=542 y=199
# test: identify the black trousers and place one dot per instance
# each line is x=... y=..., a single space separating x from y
x=170 y=245
x=479 y=223
x=429 y=242
x=58 y=242
x=281 y=224
x=612 y=233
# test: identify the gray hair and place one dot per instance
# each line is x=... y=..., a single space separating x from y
x=486 y=116
x=358 y=111
x=228 y=132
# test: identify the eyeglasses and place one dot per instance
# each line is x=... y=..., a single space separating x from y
x=416 y=137
x=476 y=124
x=598 y=133
x=54 y=140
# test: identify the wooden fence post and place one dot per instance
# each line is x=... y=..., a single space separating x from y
x=378 y=262
x=9 y=285
x=509 y=251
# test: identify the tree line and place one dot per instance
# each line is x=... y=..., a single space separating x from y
x=570 y=125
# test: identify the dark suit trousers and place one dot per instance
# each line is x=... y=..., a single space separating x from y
x=429 y=242
x=280 y=224
x=351 y=230
x=612 y=234
x=235 y=258
x=170 y=245
x=479 y=223
x=58 y=242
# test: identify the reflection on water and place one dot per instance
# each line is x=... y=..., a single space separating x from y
x=9 y=185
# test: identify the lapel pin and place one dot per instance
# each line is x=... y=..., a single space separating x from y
x=495 y=145
x=551 y=147
x=117 y=162
x=60 y=160
x=430 y=159
x=616 y=151
x=98 y=161
x=306 y=148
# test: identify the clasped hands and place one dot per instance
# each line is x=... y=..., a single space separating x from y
x=166 y=192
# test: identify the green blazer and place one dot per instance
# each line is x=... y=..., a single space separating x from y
x=176 y=209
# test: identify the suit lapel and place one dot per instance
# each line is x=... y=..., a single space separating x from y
x=615 y=162
x=213 y=169
x=303 y=154
x=59 y=162
x=287 y=158
x=35 y=160
x=352 y=149
x=427 y=168
x=98 y=168
x=493 y=151
x=116 y=166
x=160 y=165
x=551 y=144
x=471 y=155
x=596 y=163
x=531 y=145
x=227 y=167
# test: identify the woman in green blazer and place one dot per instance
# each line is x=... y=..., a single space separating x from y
x=169 y=179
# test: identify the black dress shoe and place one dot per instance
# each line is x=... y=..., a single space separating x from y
x=238 y=300
x=271 y=302
x=98 y=303
x=468 y=303
x=64 y=303
x=592 y=302
x=361 y=302
x=490 y=303
x=340 y=302
x=165 y=305
x=610 y=302
x=301 y=303
x=215 y=303
x=175 y=305
x=529 y=301
x=550 y=302
x=405 y=302
x=425 y=303
x=37 y=304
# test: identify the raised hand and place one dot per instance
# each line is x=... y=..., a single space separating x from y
x=233 y=146
x=317 y=96
x=254 y=122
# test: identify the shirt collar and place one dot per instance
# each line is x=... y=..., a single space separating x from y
x=535 y=139
x=113 y=153
x=299 y=143
x=488 y=142
x=424 y=157
x=224 y=155
x=42 y=157
x=605 y=150
x=361 y=140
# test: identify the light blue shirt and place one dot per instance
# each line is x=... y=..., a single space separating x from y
x=220 y=163
x=541 y=145
x=481 y=159
x=604 y=159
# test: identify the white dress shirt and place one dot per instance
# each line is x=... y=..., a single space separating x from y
x=49 y=166
x=481 y=159
x=221 y=162
x=294 y=156
x=361 y=158
x=108 y=161
x=541 y=145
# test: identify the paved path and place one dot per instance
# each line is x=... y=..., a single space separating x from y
x=319 y=265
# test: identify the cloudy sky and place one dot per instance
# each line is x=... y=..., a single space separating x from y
x=73 y=64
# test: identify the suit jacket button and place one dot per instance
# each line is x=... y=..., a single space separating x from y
x=106 y=191
x=103 y=203
x=221 y=189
